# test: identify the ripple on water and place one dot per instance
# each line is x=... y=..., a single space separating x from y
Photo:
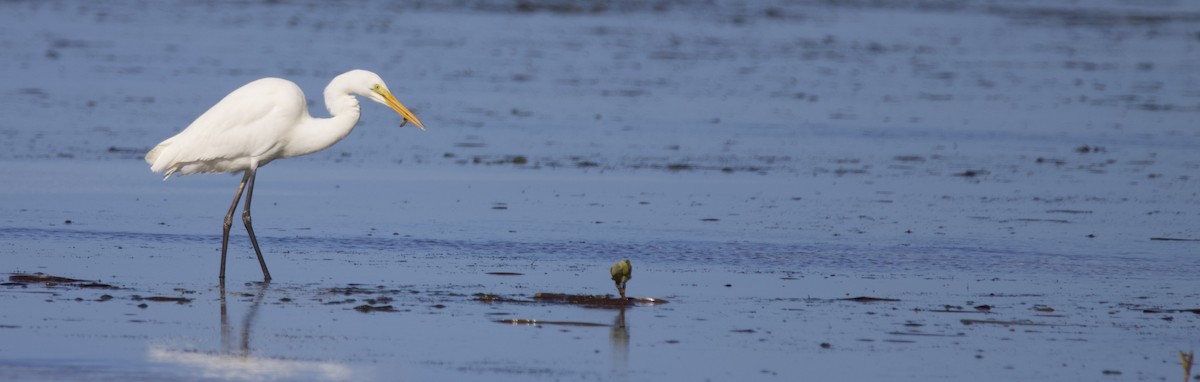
x=751 y=256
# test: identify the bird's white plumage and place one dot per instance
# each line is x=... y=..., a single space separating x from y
x=266 y=120
x=251 y=124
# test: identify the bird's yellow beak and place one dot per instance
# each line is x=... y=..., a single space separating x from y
x=399 y=107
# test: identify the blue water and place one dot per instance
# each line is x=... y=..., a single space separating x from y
x=756 y=162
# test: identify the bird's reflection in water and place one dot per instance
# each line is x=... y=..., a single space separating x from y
x=618 y=338
x=226 y=329
x=239 y=363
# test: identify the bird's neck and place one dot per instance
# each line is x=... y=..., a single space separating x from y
x=317 y=134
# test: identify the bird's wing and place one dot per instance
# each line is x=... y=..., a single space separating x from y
x=249 y=122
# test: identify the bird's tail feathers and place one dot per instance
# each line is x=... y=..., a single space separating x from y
x=153 y=154
x=159 y=159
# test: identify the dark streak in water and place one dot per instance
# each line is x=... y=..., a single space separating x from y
x=967 y=321
x=869 y=299
x=177 y=300
x=1171 y=239
x=924 y=334
x=1068 y=211
x=1032 y=220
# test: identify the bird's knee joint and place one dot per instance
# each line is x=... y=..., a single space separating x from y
x=246 y=217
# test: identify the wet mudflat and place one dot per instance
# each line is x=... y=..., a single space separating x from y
x=825 y=190
x=382 y=299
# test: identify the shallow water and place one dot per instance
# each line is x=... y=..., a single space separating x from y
x=1006 y=170
x=754 y=307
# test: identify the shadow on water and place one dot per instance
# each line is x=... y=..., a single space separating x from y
x=237 y=362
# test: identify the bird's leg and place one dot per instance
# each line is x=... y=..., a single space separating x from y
x=229 y=223
x=250 y=229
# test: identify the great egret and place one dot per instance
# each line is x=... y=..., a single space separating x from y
x=621 y=272
x=263 y=121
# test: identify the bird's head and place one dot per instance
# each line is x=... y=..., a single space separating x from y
x=368 y=84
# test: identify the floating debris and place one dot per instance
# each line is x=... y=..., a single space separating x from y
x=956 y=309
x=353 y=289
x=368 y=308
x=596 y=300
x=97 y=286
x=39 y=278
x=926 y=334
x=1068 y=211
x=127 y=150
x=177 y=300
x=869 y=299
x=505 y=274
x=1034 y=220
x=522 y=321
x=1171 y=239
x=485 y=297
x=967 y=321
x=20 y=279
x=1152 y=310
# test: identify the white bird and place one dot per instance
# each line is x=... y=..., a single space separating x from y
x=263 y=121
